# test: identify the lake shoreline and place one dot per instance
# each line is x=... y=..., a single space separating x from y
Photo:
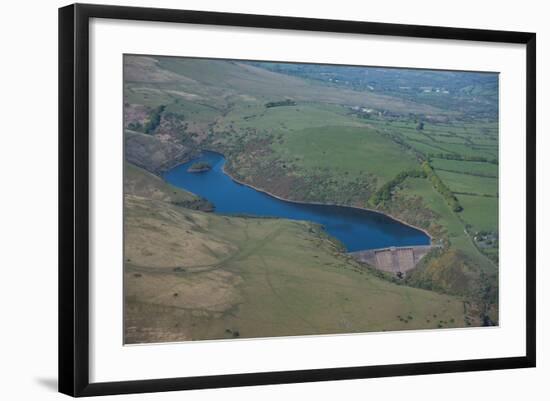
x=325 y=204
x=311 y=203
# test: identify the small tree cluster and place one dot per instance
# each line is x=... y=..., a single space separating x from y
x=287 y=102
x=154 y=120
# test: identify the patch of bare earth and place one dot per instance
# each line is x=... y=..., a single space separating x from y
x=153 y=154
x=135 y=113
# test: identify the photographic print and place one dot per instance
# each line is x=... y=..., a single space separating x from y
x=266 y=199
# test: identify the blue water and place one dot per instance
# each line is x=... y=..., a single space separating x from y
x=357 y=229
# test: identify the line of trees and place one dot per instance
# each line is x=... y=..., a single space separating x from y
x=384 y=193
x=441 y=187
x=154 y=120
x=398 y=140
x=286 y=102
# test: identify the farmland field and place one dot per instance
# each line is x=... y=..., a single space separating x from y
x=474 y=168
x=479 y=212
x=420 y=147
x=465 y=183
x=343 y=149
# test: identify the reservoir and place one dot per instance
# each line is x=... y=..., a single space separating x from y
x=356 y=229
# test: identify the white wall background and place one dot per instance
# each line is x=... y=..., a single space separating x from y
x=28 y=201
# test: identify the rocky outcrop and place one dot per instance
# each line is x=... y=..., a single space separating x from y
x=152 y=153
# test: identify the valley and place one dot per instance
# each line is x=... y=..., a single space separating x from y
x=426 y=156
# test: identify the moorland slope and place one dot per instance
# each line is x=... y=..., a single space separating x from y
x=304 y=139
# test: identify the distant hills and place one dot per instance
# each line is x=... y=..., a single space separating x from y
x=471 y=93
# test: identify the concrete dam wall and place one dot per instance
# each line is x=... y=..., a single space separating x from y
x=394 y=259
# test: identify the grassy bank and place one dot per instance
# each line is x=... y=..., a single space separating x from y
x=329 y=144
x=193 y=275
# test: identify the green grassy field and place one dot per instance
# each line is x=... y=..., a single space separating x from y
x=464 y=183
x=345 y=151
x=465 y=143
x=462 y=141
x=226 y=277
x=325 y=143
x=480 y=168
x=450 y=223
x=284 y=119
x=480 y=212
x=459 y=138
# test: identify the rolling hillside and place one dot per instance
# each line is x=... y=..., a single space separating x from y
x=305 y=139
x=195 y=275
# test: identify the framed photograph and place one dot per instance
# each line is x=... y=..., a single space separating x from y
x=251 y=199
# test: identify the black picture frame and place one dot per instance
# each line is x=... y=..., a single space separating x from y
x=74 y=198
